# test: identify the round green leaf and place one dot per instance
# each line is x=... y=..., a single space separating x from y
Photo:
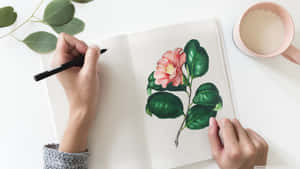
x=164 y=105
x=82 y=1
x=59 y=12
x=73 y=27
x=41 y=42
x=198 y=117
x=170 y=87
x=7 y=16
x=197 y=59
x=207 y=94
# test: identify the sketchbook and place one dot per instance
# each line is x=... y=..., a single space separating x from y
x=158 y=89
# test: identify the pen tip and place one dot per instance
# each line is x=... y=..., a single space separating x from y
x=103 y=51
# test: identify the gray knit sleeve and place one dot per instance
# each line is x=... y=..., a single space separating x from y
x=53 y=159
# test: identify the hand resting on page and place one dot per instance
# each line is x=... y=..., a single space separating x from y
x=241 y=148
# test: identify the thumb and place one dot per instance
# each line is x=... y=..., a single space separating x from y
x=214 y=139
x=91 y=58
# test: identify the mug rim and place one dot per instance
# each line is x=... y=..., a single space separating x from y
x=282 y=48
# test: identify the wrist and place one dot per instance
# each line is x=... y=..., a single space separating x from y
x=75 y=137
x=80 y=116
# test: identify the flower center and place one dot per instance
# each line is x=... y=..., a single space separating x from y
x=170 y=69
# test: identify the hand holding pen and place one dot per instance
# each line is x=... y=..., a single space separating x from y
x=77 y=56
x=81 y=85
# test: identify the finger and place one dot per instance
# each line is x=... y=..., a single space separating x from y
x=253 y=138
x=241 y=132
x=69 y=43
x=74 y=53
x=257 y=136
x=67 y=48
x=91 y=58
x=261 y=147
x=228 y=133
x=214 y=139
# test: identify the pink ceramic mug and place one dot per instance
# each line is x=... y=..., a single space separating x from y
x=286 y=49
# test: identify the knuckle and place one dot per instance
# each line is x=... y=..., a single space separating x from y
x=259 y=146
x=235 y=121
x=234 y=154
x=250 y=151
x=215 y=154
x=265 y=146
x=226 y=120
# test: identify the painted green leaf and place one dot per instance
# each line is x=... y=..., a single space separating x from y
x=149 y=91
x=198 y=117
x=41 y=42
x=7 y=16
x=170 y=87
x=59 y=12
x=197 y=58
x=164 y=105
x=82 y=1
x=73 y=27
x=207 y=94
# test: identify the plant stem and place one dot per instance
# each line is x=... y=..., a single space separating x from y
x=23 y=23
x=186 y=115
x=16 y=38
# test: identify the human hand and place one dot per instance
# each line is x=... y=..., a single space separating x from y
x=81 y=85
x=241 y=148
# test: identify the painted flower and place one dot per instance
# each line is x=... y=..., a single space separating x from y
x=168 y=68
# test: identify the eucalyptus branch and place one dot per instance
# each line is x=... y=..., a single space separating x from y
x=23 y=23
x=16 y=38
x=37 y=21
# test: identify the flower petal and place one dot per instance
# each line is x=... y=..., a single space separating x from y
x=165 y=74
x=163 y=61
x=177 y=80
x=164 y=82
x=170 y=55
x=180 y=57
x=159 y=75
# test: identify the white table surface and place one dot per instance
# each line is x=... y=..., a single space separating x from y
x=267 y=90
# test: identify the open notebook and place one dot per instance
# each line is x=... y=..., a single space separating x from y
x=124 y=136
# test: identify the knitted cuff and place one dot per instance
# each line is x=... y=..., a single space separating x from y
x=53 y=159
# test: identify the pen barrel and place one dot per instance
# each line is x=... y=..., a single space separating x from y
x=46 y=74
x=78 y=61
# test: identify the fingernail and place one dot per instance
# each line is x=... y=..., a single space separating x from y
x=223 y=121
x=96 y=47
x=211 y=121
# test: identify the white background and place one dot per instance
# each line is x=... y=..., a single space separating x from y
x=267 y=90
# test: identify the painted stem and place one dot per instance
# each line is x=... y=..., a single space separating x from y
x=184 y=120
x=23 y=23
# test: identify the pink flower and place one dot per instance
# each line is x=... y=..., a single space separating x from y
x=168 y=68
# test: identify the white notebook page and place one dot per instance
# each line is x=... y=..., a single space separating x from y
x=146 y=49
